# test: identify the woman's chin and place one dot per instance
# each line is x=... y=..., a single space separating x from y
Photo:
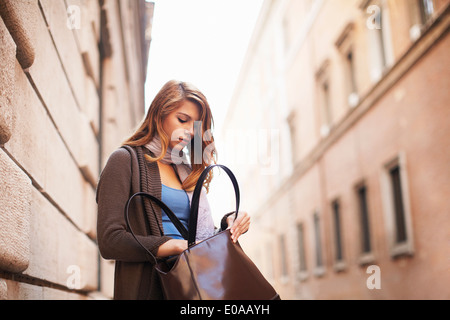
x=178 y=147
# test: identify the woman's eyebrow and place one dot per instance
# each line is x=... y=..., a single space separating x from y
x=184 y=114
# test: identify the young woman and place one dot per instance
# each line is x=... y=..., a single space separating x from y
x=178 y=117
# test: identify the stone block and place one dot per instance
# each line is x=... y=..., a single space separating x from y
x=107 y=277
x=45 y=225
x=92 y=106
x=87 y=261
x=7 y=61
x=90 y=211
x=23 y=291
x=88 y=157
x=60 y=253
x=57 y=17
x=38 y=147
x=63 y=182
x=55 y=294
x=28 y=137
x=3 y=290
x=15 y=197
x=19 y=19
x=87 y=40
x=58 y=97
x=86 y=15
x=93 y=9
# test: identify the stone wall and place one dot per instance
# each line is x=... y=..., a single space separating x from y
x=71 y=89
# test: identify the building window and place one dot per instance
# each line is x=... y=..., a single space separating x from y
x=366 y=254
x=366 y=245
x=301 y=247
x=379 y=41
x=399 y=209
x=325 y=106
x=295 y=146
x=350 y=71
x=422 y=13
x=269 y=261
x=346 y=48
x=396 y=207
x=319 y=268
x=338 y=256
x=379 y=37
x=286 y=34
x=339 y=263
x=284 y=263
x=426 y=10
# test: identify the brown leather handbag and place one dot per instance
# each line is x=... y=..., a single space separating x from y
x=214 y=269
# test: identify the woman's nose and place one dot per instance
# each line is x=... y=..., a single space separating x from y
x=190 y=131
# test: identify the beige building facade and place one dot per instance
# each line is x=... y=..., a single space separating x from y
x=71 y=88
x=341 y=122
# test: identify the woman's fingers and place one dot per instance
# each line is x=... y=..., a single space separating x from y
x=240 y=226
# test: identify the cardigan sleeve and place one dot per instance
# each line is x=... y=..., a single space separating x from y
x=113 y=191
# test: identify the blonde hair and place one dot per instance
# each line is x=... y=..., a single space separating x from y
x=165 y=102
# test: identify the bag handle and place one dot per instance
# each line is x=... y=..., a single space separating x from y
x=170 y=214
x=196 y=199
x=192 y=233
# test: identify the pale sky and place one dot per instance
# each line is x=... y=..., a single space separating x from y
x=202 y=42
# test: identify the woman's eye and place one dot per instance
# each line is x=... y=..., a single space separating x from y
x=181 y=120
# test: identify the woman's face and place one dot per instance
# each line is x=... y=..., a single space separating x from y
x=179 y=124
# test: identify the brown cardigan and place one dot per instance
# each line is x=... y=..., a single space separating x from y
x=135 y=276
x=126 y=173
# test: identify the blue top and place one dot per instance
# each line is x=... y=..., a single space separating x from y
x=178 y=201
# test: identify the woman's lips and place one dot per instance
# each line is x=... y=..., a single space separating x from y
x=183 y=141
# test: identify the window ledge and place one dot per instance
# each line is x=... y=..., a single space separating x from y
x=319 y=271
x=366 y=258
x=402 y=249
x=340 y=266
x=303 y=275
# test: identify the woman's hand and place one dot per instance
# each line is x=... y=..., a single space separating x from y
x=237 y=228
x=240 y=226
x=171 y=248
